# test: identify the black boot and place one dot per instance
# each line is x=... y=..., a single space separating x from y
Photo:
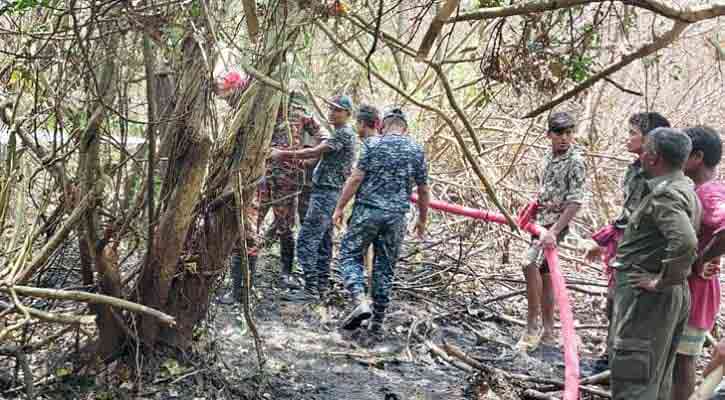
x=235 y=294
x=287 y=257
x=360 y=312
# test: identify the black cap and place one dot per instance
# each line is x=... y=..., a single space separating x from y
x=560 y=121
x=395 y=112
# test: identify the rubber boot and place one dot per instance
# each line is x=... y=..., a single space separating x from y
x=360 y=312
x=287 y=256
x=235 y=294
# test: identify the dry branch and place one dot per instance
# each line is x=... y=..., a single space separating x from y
x=56 y=240
x=250 y=12
x=435 y=28
x=687 y=15
x=91 y=298
x=659 y=43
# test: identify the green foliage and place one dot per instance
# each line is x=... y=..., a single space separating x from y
x=22 y=6
x=579 y=67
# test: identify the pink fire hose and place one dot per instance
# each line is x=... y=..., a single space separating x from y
x=571 y=358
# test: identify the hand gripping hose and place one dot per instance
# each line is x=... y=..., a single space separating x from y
x=571 y=357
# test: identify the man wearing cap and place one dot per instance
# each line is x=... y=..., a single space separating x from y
x=314 y=242
x=382 y=183
x=561 y=194
x=654 y=258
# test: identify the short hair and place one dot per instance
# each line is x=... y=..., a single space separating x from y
x=671 y=144
x=708 y=141
x=645 y=122
x=368 y=115
x=389 y=123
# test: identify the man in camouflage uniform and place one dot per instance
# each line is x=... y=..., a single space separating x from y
x=561 y=194
x=654 y=258
x=314 y=242
x=283 y=177
x=634 y=188
x=382 y=183
x=368 y=121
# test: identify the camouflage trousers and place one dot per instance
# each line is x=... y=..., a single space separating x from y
x=385 y=231
x=314 y=242
x=643 y=336
x=280 y=194
x=303 y=202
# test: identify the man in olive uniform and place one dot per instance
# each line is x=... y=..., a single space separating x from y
x=634 y=188
x=382 y=183
x=314 y=242
x=654 y=257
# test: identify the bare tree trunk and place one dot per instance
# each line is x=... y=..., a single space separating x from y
x=189 y=157
x=91 y=247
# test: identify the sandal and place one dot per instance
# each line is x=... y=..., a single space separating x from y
x=529 y=342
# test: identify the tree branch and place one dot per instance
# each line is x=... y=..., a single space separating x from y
x=688 y=14
x=435 y=28
x=92 y=298
x=659 y=43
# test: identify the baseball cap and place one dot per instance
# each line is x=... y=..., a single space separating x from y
x=341 y=101
x=560 y=120
x=395 y=112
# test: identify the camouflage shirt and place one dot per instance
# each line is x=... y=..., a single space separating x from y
x=335 y=165
x=286 y=130
x=392 y=163
x=561 y=183
x=635 y=189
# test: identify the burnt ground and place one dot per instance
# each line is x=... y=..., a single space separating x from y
x=308 y=357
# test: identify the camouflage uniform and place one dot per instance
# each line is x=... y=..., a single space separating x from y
x=314 y=243
x=635 y=189
x=283 y=178
x=561 y=184
x=392 y=164
x=309 y=139
x=661 y=239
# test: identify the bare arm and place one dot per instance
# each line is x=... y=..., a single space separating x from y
x=302 y=154
x=566 y=217
x=351 y=185
x=423 y=202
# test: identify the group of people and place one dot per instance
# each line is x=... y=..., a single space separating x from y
x=322 y=171
x=662 y=254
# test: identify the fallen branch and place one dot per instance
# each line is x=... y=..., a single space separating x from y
x=453 y=351
x=91 y=298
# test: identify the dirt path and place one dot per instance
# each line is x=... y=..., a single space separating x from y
x=308 y=357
